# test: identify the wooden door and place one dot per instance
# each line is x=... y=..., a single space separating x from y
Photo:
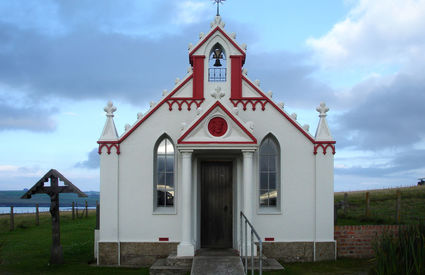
x=216 y=205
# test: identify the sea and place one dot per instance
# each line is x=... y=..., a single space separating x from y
x=31 y=209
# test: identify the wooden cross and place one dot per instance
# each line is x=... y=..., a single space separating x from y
x=56 y=255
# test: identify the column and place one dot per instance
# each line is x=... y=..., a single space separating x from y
x=249 y=191
x=186 y=248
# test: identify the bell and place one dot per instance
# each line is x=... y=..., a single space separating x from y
x=217 y=56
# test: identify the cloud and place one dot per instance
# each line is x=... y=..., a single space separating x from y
x=92 y=162
x=29 y=118
x=390 y=115
x=375 y=32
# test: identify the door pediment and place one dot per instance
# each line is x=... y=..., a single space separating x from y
x=217 y=126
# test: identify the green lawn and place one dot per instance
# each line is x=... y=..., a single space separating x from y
x=382 y=206
x=27 y=249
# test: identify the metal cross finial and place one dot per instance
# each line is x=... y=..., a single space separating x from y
x=218 y=6
x=322 y=109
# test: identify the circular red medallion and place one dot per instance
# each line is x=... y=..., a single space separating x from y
x=217 y=126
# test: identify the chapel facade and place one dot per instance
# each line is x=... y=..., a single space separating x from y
x=214 y=146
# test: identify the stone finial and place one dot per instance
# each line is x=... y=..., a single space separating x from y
x=306 y=127
x=198 y=111
x=322 y=109
x=201 y=35
x=164 y=92
x=281 y=105
x=233 y=35
x=190 y=46
x=244 y=47
x=127 y=127
x=110 y=109
x=176 y=81
x=294 y=116
x=322 y=132
x=257 y=82
x=218 y=94
x=109 y=132
x=189 y=69
x=270 y=94
x=236 y=111
x=217 y=22
x=139 y=116
x=245 y=71
x=152 y=104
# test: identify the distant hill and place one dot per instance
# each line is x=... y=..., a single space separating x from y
x=8 y=198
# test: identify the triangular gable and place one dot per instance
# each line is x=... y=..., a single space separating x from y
x=211 y=33
x=217 y=126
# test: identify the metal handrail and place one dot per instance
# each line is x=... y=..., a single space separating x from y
x=253 y=232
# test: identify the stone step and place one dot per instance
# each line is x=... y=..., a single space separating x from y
x=160 y=267
x=269 y=264
x=217 y=265
x=173 y=260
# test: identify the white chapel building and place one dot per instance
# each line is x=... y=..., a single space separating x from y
x=216 y=145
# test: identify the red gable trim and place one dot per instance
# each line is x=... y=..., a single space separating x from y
x=208 y=36
x=217 y=104
x=279 y=109
x=155 y=108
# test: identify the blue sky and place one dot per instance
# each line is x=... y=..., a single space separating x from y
x=61 y=61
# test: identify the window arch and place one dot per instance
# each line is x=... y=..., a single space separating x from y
x=269 y=166
x=164 y=163
x=217 y=64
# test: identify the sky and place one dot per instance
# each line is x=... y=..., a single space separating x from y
x=61 y=61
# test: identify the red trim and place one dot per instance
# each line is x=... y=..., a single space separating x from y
x=108 y=145
x=236 y=76
x=269 y=239
x=163 y=239
x=155 y=108
x=217 y=104
x=208 y=36
x=184 y=100
x=324 y=145
x=279 y=109
x=198 y=76
x=251 y=100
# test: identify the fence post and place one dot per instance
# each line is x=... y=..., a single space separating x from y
x=87 y=210
x=12 y=221
x=345 y=205
x=398 y=207
x=76 y=209
x=97 y=214
x=367 y=211
x=37 y=215
x=73 y=210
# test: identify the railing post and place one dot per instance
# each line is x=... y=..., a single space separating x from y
x=261 y=257
x=252 y=252
x=246 y=247
x=37 y=215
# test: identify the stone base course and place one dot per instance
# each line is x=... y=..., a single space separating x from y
x=299 y=251
x=135 y=254
x=356 y=241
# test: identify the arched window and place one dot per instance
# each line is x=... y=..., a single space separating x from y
x=164 y=189
x=269 y=187
x=217 y=64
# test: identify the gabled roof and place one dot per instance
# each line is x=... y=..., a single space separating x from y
x=248 y=138
x=208 y=37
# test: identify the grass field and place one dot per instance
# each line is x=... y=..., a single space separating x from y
x=26 y=250
x=382 y=206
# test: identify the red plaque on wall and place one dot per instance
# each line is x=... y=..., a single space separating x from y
x=217 y=126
